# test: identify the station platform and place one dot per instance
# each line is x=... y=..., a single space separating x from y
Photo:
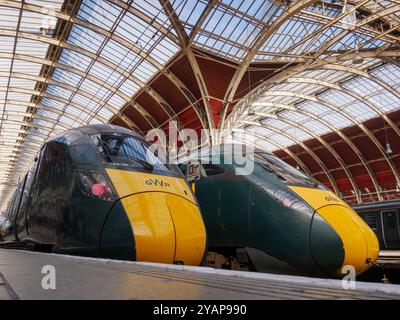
x=86 y=278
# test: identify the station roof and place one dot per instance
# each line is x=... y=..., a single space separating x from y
x=316 y=82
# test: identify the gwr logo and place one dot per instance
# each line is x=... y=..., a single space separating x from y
x=331 y=199
x=156 y=182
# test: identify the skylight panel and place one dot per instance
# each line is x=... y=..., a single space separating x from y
x=94 y=89
x=5 y=64
x=26 y=67
x=47 y=114
x=388 y=73
x=31 y=47
x=75 y=59
x=9 y=18
x=85 y=38
x=362 y=86
x=6 y=44
x=15 y=107
x=22 y=83
x=261 y=131
x=119 y=55
x=95 y=121
x=116 y=101
x=99 y=12
x=105 y=113
x=53 y=4
x=137 y=32
x=3 y=82
x=349 y=41
x=276 y=124
x=81 y=100
x=266 y=145
x=58 y=91
x=281 y=41
x=282 y=140
x=129 y=88
x=230 y=29
x=189 y=11
x=53 y=103
x=385 y=101
x=164 y=51
x=41 y=124
x=298 y=133
x=144 y=71
x=105 y=73
x=336 y=97
x=33 y=21
x=68 y=122
x=66 y=77
x=152 y=9
x=293 y=116
x=313 y=108
x=75 y=112
x=281 y=99
x=18 y=96
x=315 y=126
x=337 y=120
x=359 y=111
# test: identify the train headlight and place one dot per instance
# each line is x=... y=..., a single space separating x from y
x=94 y=184
x=289 y=200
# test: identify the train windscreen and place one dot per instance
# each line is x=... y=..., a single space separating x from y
x=127 y=150
x=284 y=171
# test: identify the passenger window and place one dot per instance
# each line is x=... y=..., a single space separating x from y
x=370 y=219
x=210 y=170
x=390 y=219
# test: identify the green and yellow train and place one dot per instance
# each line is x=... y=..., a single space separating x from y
x=93 y=192
x=275 y=218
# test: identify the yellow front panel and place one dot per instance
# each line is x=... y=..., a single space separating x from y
x=359 y=241
x=318 y=198
x=166 y=222
x=351 y=232
x=189 y=230
x=152 y=227
x=130 y=182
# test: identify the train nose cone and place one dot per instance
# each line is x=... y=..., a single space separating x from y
x=343 y=240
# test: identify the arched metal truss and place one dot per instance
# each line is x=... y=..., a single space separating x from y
x=76 y=62
x=317 y=87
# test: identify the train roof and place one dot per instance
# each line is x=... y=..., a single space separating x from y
x=98 y=128
x=378 y=205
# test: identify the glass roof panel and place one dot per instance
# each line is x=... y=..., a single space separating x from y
x=99 y=12
x=233 y=26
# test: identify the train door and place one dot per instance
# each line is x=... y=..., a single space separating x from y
x=41 y=222
x=22 y=224
x=391 y=228
x=18 y=213
x=29 y=213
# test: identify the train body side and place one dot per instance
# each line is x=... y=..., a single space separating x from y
x=384 y=219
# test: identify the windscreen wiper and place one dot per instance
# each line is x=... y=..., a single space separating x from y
x=106 y=149
x=144 y=163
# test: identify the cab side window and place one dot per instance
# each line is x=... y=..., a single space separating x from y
x=210 y=170
x=43 y=166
